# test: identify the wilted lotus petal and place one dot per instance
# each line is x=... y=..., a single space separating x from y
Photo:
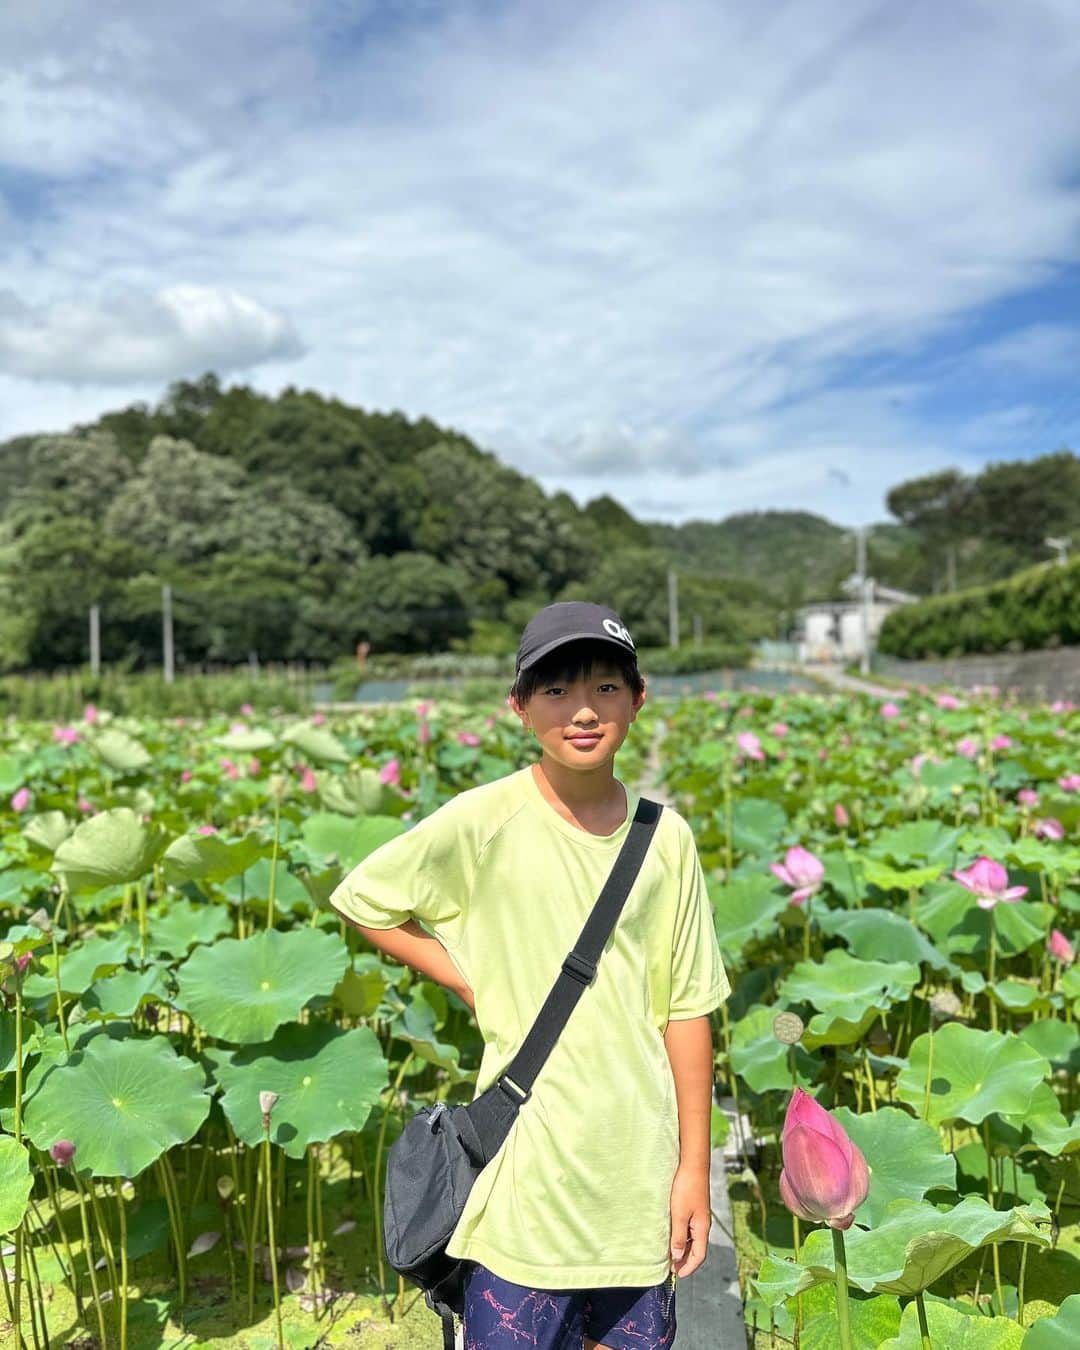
x=944 y=1004
x=40 y=919
x=988 y=882
x=825 y=1177
x=294 y=1279
x=346 y=1226
x=203 y=1243
x=62 y=1152
x=267 y=1101
x=800 y=870
x=1060 y=948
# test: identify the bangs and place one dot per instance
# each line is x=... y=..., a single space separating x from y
x=573 y=660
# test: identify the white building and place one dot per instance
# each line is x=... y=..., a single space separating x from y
x=833 y=630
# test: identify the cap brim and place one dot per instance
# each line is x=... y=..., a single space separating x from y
x=574 y=637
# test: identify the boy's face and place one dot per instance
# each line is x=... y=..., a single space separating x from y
x=581 y=723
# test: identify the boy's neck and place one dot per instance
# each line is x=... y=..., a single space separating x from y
x=588 y=797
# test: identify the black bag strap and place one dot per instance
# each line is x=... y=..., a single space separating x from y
x=579 y=968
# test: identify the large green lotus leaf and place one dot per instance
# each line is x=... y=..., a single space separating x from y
x=418 y=1023
x=31 y=1031
x=289 y=890
x=185 y=925
x=928 y=839
x=1057 y=1041
x=1046 y=1123
x=954 y=922
x=744 y=909
x=360 y=793
x=974 y=1074
x=27 y=937
x=19 y=884
x=881 y=935
x=109 y=849
x=888 y=878
x=1019 y=997
x=119 y=995
x=1021 y=926
x=121 y=751
x=1035 y=856
x=316 y=742
x=913 y=1246
x=905 y=1158
x=247 y=741
x=989 y=840
x=940 y=779
x=327 y=1080
x=48 y=830
x=761 y=1060
x=836 y=1028
x=955 y=1330
x=15 y=1183
x=757 y=825
x=81 y=966
x=347 y=839
x=873 y=1320
x=122 y=1103
x=846 y=987
x=208 y=857
x=13 y=773
x=971 y=1162
x=242 y=990
x=843 y=872
x=1060 y=1332
x=361 y=991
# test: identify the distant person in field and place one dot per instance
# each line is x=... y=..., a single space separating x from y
x=599 y=1196
x=362 y=649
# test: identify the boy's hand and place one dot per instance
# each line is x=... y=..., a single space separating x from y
x=465 y=993
x=691 y=1217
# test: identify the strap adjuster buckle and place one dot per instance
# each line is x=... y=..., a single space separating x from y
x=518 y=1095
x=579 y=969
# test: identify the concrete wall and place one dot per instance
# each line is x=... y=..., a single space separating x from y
x=1050 y=675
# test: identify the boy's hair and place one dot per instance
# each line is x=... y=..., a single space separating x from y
x=572 y=660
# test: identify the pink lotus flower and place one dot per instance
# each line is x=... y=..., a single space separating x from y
x=206 y=829
x=468 y=738
x=66 y=735
x=825 y=1177
x=749 y=744
x=890 y=710
x=246 y=710
x=1001 y=742
x=841 y=816
x=390 y=773
x=90 y=714
x=317 y=719
x=308 y=782
x=1069 y=782
x=967 y=747
x=84 y=806
x=186 y=776
x=1049 y=829
x=800 y=870
x=230 y=769
x=949 y=701
x=988 y=882
x=1027 y=797
x=254 y=768
x=237 y=728
x=779 y=730
x=423 y=708
x=1060 y=948
x=21 y=799
x=1062 y=705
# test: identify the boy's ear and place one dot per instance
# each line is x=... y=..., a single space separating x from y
x=638 y=703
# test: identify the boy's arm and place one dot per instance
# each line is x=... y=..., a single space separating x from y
x=409 y=944
x=689 y=1046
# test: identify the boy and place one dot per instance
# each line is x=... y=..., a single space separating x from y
x=599 y=1196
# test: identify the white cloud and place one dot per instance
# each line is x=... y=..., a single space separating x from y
x=128 y=336
x=637 y=247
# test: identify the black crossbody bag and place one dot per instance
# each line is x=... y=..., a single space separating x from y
x=433 y=1163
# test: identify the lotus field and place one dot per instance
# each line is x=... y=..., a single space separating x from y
x=202 y=1067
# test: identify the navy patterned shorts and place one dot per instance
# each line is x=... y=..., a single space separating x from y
x=504 y=1316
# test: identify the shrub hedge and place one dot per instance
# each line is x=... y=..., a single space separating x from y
x=1039 y=607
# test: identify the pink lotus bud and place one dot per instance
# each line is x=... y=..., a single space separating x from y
x=988 y=882
x=62 y=1152
x=22 y=961
x=779 y=730
x=948 y=701
x=84 y=806
x=1001 y=742
x=423 y=708
x=21 y=799
x=206 y=829
x=308 y=782
x=890 y=710
x=254 y=768
x=90 y=714
x=185 y=777
x=749 y=744
x=825 y=1177
x=800 y=870
x=1027 y=797
x=246 y=710
x=1049 y=829
x=1060 y=948
x=841 y=816
x=968 y=747
x=468 y=738
x=390 y=773
x=230 y=769
x=317 y=719
x=1069 y=782
x=423 y=733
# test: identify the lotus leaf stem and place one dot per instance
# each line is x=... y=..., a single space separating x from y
x=312 y=1182
x=924 y=1330
x=990 y=974
x=269 y=1164
x=35 y=1299
x=174 y=1228
x=870 y=1081
x=254 y=1235
x=273 y=864
x=88 y=1249
x=375 y=1189
x=122 y=1215
x=319 y=1231
x=56 y=977
x=103 y=1237
x=1020 y=1283
x=843 y=1309
x=990 y=1201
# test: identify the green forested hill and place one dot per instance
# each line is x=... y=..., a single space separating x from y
x=296 y=526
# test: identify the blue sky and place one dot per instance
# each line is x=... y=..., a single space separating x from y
x=707 y=257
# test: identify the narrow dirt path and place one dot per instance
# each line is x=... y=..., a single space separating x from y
x=838 y=678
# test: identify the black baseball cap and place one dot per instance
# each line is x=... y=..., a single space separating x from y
x=570 y=621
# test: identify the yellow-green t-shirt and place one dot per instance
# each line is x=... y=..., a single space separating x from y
x=578 y=1194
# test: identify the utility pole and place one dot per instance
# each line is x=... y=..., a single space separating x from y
x=673 y=607
x=697 y=630
x=95 y=640
x=864 y=596
x=166 y=631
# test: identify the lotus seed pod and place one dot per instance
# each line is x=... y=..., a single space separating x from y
x=62 y=1152
x=266 y=1102
x=127 y=1190
x=225 y=1188
x=788 y=1028
x=278 y=785
x=944 y=1005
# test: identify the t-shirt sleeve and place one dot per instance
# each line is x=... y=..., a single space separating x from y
x=699 y=982
x=424 y=874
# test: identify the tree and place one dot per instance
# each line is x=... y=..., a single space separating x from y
x=939 y=507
